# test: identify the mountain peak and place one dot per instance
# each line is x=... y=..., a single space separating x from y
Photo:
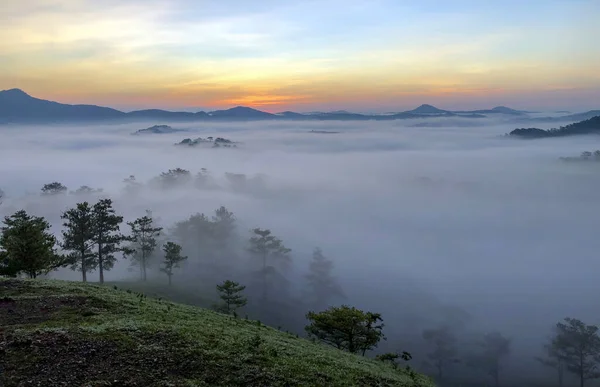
x=15 y=92
x=427 y=109
x=504 y=109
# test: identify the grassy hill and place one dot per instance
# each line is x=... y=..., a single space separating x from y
x=57 y=333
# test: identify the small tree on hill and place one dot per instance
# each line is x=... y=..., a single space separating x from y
x=143 y=242
x=27 y=246
x=231 y=294
x=578 y=345
x=78 y=237
x=172 y=258
x=346 y=328
x=323 y=286
x=106 y=235
x=266 y=247
x=53 y=188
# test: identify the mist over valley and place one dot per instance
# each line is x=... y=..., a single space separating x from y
x=441 y=225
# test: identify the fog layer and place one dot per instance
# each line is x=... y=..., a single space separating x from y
x=460 y=216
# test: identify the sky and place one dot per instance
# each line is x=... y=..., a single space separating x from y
x=362 y=55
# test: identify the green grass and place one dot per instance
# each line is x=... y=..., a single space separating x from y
x=68 y=333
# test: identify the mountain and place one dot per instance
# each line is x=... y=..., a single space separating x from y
x=496 y=110
x=506 y=110
x=590 y=126
x=241 y=112
x=18 y=106
x=427 y=109
x=59 y=333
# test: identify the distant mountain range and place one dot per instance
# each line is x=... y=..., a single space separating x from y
x=16 y=106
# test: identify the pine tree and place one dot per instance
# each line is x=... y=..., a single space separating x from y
x=172 y=258
x=28 y=246
x=78 y=237
x=106 y=227
x=143 y=238
x=266 y=247
x=577 y=345
x=230 y=293
x=323 y=285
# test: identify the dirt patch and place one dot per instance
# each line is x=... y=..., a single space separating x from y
x=76 y=358
x=25 y=311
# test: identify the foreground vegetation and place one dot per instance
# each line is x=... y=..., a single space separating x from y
x=66 y=333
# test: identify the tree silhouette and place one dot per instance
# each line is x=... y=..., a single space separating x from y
x=78 y=237
x=444 y=350
x=27 y=246
x=143 y=242
x=267 y=247
x=53 y=188
x=323 y=286
x=172 y=259
x=346 y=328
x=106 y=235
x=231 y=294
x=578 y=345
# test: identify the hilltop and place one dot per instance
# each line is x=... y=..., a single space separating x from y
x=68 y=333
x=590 y=126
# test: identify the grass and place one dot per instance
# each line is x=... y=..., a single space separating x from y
x=67 y=333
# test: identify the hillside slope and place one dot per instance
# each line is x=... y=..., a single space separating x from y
x=66 y=333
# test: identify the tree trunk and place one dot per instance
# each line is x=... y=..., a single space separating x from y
x=83 y=268
x=100 y=261
x=143 y=263
x=264 y=275
x=169 y=279
x=560 y=377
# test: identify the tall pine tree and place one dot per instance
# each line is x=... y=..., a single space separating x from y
x=28 y=246
x=106 y=227
x=323 y=286
x=143 y=242
x=78 y=237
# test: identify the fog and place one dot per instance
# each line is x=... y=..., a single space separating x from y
x=415 y=218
